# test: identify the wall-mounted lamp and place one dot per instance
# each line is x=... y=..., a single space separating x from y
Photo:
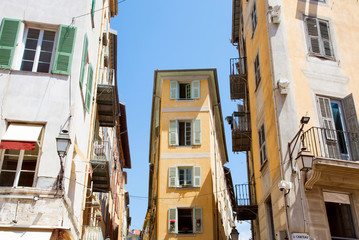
x=234 y=234
x=304 y=160
x=304 y=120
x=63 y=142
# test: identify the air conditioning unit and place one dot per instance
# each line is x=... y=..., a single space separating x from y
x=275 y=15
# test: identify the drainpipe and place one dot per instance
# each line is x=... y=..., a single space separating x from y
x=276 y=118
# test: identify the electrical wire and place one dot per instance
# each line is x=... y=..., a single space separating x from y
x=100 y=9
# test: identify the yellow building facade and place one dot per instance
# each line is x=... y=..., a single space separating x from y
x=189 y=194
x=298 y=59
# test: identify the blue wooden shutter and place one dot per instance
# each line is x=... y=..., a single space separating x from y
x=173 y=135
x=172 y=177
x=173 y=90
x=172 y=216
x=8 y=38
x=64 y=50
x=197 y=217
x=197 y=132
x=196 y=176
x=89 y=88
x=83 y=60
x=196 y=89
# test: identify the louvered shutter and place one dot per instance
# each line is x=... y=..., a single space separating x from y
x=352 y=123
x=324 y=33
x=313 y=36
x=197 y=132
x=173 y=139
x=64 y=50
x=329 y=133
x=8 y=38
x=173 y=90
x=93 y=7
x=197 y=176
x=172 y=177
x=196 y=89
x=172 y=220
x=83 y=60
x=89 y=88
x=197 y=218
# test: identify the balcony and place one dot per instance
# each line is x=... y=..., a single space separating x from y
x=336 y=156
x=241 y=131
x=238 y=78
x=107 y=99
x=100 y=166
x=245 y=209
x=92 y=233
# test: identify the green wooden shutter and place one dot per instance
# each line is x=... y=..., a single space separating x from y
x=89 y=88
x=196 y=176
x=64 y=50
x=197 y=218
x=172 y=177
x=172 y=216
x=352 y=123
x=93 y=7
x=173 y=139
x=196 y=89
x=173 y=90
x=197 y=132
x=8 y=38
x=83 y=60
x=324 y=33
x=313 y=36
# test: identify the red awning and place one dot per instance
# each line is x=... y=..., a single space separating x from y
x=17 y=145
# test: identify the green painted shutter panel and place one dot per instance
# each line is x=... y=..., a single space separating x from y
x=324 y=33
x=353 y=125
x=89 y=88
x=313 y=36
x=93 y=7
x=172 y=220
x=83 y=60
x=197 y=132
x=173 y=139
x=173 y=90
x=64 y=50
x=197 y=176
x=172 y=177
x=8 y=38
x=196 y=89
x=197 y=219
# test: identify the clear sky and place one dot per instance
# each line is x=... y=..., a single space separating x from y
x=170 y=34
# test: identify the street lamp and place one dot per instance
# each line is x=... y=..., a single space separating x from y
x=234 y=234
x=304 y=160
x=63 y=142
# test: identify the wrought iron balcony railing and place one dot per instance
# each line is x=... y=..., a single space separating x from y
x=238 y=78
x=241 y=131
x=246 y=209
x=332 y=144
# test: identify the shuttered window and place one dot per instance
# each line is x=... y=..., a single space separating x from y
x=89 y=88
x=257 y=70
x=8 y=38
x=185 y=133
x=185 y=90
x=254 y=18
x=196 y=89
x=64 y=50
x=262 y=145
x=83 y=60
x=197 y=132
x=185 y=220
x=353 y=125
x=319 y=40
x=183 y=177
x=173 y=138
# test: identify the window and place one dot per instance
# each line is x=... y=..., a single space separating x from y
x=184 y=132
x=340 y=126
x=21 y=147
x=254 y=18
x=183 y=177
x=257 y=71
x=262 y=145
x=319 y=41
x=185 y=90
x=339 y=213
x=83 y=60
x=39 y=53
x=270 y=219
x=185 y=220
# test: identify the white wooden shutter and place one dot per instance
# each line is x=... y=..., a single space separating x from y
x=313 y=36
x=324 y=33
x=197 y=217
x=173 y=90
x=172 y=177
x=352 y=124
x=172 y=216
x=197 y=138
x=173 y=134
x=196 y=176
x=196 y=89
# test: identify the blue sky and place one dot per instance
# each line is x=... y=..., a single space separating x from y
x=169 y=34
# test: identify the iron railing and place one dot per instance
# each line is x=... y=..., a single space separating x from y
x=332 y=144
x=107 y=76
x=241 y=122
x=101 y=151
x=242 y=193
x=238 y=66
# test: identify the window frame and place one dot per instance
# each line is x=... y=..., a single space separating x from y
x=173 y=221
x=263 y=156
x=257 y=71
x=195 y=90
x=321 y=40
x=20 y=160
x=174 y=177
x=38 y=46
x=174 y=132
x=254 y=18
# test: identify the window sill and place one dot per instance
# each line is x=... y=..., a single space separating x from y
x=185 y=234
x=185 y=100
x=33 y=73
x=26 y=191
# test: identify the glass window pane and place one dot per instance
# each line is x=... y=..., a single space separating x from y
x=26 y=179
x=33 y=33
x=27 y=66
x=49 y=35
x=7 y=179
x=43 y=67
x=29 y=163
x=10 y=159
x=47 y=46
x=31 y=44
x=29 y=55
